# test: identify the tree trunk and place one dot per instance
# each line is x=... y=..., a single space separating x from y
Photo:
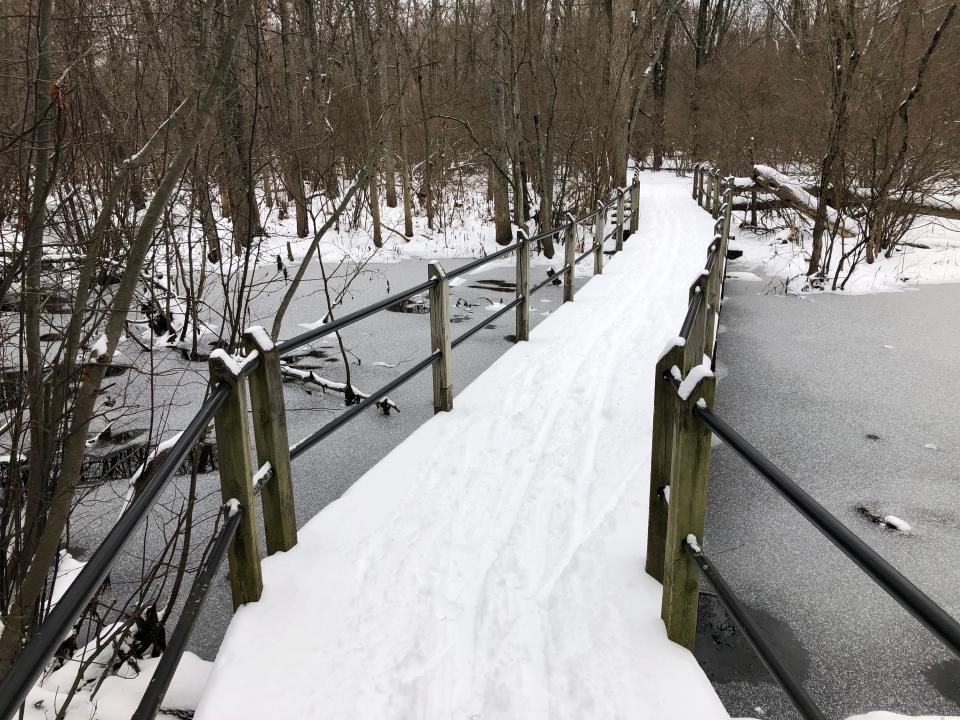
x=660 y=70
x=499 y=162
x=21 y=610
x=389 y=161
x=427 y=150
x=405 y=178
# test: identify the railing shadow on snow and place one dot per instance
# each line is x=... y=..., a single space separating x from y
x=683 y=423
x=258 y=374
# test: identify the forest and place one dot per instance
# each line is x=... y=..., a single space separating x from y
x=149 y=151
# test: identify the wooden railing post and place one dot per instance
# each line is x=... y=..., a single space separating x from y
x=619 y=236
x=728 y=213
x=688 y=486
x=598 y=239
x=688 y=505
x=714 y=286
x=569 y=258
x=635 y=205
x=236 y=480
x=273 y=444
x=661 y=457
x=693 y=349
x=523 y=287
x=439 y=296
x=707 y=188
x=696 y=179
x=715 y=186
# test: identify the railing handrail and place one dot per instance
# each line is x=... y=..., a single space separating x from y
x=33 y=658
x=286 y=346
x=917 y=603
x=754 y=634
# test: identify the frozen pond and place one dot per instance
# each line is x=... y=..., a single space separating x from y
x=854 y=398
x=379 y=348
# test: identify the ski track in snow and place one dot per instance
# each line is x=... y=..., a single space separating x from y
x=491 y=566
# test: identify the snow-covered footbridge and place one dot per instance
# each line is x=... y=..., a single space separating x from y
x=492 y=565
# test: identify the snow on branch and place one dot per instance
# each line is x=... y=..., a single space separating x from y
x=351 y=394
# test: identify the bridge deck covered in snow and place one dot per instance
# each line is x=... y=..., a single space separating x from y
x=492 y=565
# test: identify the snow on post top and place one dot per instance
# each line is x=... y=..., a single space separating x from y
x=260 y=337
x=693 y=379
x=229 y=362
x=672 y=343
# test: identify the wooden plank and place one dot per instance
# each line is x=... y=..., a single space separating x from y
x=236 y=483
x=713 y=285
x=272 y=442
x=693 y=348
x=440 y=339
x=661 y=459
x=569 y=256
x=715 y=187
x=523 y=287
x=688 y=504
x=635 y=206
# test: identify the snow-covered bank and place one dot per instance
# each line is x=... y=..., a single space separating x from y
x=929 y=254
x=492 y=565
x=119 y=695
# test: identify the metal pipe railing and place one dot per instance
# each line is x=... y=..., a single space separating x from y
x=692 y=310
x=33 y=658
x=592 y=249
x=301 y=446
x=910 y=597
x=480 y=262
x=170 y=659
x=754 y=634
x=293 y=343
x=556 y=277
x=477 y=327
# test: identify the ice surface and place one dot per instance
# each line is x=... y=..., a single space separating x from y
x=798 y=390
x=492 y=564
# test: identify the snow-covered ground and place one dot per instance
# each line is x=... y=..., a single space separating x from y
x=492 y=565
x=929 y=253
x=119 y=695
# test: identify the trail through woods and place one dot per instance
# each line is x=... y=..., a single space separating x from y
x=492 y=564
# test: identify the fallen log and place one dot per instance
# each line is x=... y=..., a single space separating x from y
x=800 y=199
